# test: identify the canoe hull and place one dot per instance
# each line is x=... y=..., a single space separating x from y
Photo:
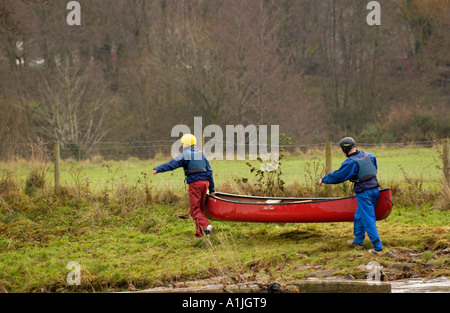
x=226 y=207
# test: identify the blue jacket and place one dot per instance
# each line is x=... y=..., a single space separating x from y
x=349 y=170
x=182 y=160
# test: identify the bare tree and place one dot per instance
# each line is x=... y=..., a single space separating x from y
x=72 y=108
x=257 y=67
x=204 y=74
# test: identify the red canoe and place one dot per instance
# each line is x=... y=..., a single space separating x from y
x=234 y=208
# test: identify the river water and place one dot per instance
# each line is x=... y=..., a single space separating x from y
x=438 y=285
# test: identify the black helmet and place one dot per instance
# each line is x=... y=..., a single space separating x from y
x=347 y=144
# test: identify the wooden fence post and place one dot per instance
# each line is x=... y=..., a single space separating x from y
x=446 y=160
x=328 y=163
x=56 y=160
x=328 y=157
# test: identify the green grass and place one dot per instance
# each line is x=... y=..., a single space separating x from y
x=123 y=234
x=394 y=164
x=152 y=246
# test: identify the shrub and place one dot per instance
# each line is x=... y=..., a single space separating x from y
x=36 y=179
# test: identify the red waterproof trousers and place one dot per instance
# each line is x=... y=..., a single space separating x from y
x=197 y=199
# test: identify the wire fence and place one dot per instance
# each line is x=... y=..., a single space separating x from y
x=110 y=164
x=145 y=150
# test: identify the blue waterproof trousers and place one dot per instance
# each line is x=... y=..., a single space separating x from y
x=364 y=220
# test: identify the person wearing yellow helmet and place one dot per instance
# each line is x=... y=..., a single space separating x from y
x=188 y=140
x=199 y=177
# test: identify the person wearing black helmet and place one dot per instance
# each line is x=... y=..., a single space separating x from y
x=360 y=168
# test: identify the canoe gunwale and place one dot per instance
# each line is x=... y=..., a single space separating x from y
x=294 y=200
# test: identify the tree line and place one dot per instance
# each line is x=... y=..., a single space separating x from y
x=134 y=69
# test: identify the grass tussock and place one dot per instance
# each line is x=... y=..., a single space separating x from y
x=36 y=179
x=442 y=201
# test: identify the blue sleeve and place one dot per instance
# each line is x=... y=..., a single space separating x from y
x=348 y=169
x=171 y=165
x=210 y=176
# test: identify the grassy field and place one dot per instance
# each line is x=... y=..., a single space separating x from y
x=395 y=166
x=128 y=230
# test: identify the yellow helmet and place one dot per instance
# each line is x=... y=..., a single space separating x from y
x=188 y=140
